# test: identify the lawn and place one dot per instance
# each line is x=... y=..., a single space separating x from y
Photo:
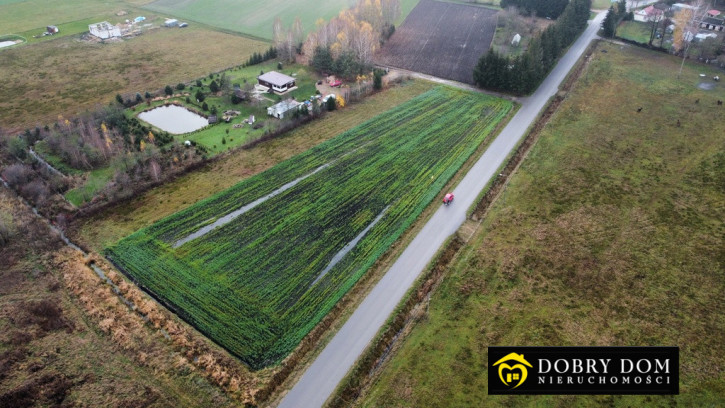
x=261 y=281
x=609 y=234
x=635 y=31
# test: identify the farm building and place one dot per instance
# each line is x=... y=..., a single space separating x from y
x=516 y=40
x=712 y=24
x=104 y=30
x=51 y=30
x=277 y=82
x=171 y=22
x=282 y=108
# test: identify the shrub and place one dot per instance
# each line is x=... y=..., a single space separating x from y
x=7 y=229
x=18 y=147
x=180 y=86
x=331 y=105
x=168 y=90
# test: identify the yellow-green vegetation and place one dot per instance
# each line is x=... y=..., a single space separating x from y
x=610 y=234
x=602 y=4
x=67 y=76
x=108 y=227
x=258 y=290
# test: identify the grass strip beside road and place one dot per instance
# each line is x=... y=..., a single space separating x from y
x=610 y=234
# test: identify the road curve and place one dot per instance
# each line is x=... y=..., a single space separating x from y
x=333 y=363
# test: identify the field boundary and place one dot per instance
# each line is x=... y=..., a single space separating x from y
x=412 y=308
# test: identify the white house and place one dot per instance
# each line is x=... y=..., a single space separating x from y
x=276 y=81
x=171 y=22
x=516 y=40
x=282 y=108
x=650 y=13
x=104 y=30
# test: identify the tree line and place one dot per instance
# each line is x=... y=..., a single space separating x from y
x=542 y=8
x=523 y=73
x=344 y=45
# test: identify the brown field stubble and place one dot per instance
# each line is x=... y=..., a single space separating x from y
x=67 y=340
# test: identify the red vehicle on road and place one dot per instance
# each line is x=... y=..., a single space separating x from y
x=336 y=83
x=448 y=198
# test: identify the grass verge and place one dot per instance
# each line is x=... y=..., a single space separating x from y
x=591 y=243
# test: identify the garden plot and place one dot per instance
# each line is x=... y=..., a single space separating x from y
x=259 y=281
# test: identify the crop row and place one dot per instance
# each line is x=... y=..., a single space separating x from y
x=252 y=284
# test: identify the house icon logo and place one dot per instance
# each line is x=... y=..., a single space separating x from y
x=510 y=374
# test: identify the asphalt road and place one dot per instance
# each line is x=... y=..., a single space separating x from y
x=323 y=376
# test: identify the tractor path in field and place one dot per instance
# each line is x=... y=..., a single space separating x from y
x=333 y=363
x=236 y=213
x=232 y=215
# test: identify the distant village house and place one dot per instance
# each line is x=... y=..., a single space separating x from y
x=276 y=81
x=104 y=30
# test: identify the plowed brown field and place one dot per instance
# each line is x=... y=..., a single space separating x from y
x=441 y=39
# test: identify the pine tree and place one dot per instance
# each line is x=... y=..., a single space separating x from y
x=608 y=25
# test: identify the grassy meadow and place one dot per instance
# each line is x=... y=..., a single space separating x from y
x=253 y=17
x=18 y=16
x=67 y=76
x=257 y=290
x=609 y=234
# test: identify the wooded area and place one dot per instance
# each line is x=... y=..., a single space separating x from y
x=523 y=73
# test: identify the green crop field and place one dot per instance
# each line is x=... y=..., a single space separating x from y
x=260 y=282
x=254 y=17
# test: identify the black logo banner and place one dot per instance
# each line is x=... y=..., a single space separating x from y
x=584 y=370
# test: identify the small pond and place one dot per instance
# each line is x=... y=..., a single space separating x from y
x=174 y=119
